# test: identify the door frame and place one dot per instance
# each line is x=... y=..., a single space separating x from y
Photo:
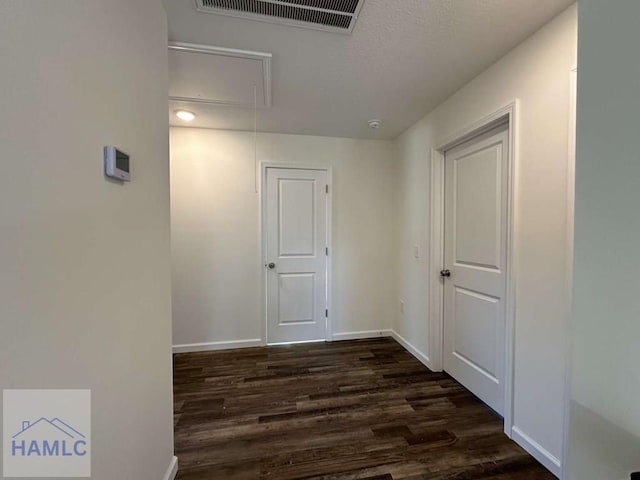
x=264 y=166
x=571 y=200
x=507 y=115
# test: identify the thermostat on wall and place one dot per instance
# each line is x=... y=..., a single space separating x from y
x=116 y=164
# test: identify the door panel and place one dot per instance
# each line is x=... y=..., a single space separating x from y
x=476 y=176
x=295 y=299
x=477 y=208
x=297 y=217
x=296 y=239
x=475 y=330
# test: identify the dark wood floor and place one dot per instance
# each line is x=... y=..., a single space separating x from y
x=362 y=409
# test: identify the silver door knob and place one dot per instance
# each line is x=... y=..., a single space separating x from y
x=271 y=266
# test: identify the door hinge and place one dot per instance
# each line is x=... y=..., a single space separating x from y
x=326 y=251
x=326 y=313
x=326 y=188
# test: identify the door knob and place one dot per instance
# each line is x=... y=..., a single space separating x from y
x=445 y=273
x=272 y=266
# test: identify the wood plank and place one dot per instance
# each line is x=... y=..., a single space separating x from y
x=361 y=409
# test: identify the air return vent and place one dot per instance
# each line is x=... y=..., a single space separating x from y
x=329 y=15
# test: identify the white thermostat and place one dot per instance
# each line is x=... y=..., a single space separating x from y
x=116 y=164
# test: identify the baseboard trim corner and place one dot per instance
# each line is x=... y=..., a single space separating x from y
x=172 y=471
x=424 y=359
x=226 y=345
x=361 y=335
x=537 y=451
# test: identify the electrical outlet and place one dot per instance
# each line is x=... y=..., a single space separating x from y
x=402 y=307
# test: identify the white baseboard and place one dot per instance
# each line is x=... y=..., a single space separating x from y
x=299 y=342
x=412 y=349
x=537 y=451
x=204 y=347
x=257 y=342
x=172 y=471
x=360 y=335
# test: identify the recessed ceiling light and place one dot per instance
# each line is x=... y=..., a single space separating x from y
x=185 y=115
x=375 y=123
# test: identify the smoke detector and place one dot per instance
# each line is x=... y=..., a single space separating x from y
x=374 y=123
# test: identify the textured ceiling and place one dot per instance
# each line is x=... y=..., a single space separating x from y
x=403 y=59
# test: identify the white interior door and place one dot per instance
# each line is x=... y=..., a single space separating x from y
x=296 y=256
x=476 y=196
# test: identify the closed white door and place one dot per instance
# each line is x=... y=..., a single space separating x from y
x=296 y=254
x=476 y=195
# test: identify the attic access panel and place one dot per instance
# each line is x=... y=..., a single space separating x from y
x=219 y=76
x=337 y=16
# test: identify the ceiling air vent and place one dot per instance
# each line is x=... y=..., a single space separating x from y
x=328 y=15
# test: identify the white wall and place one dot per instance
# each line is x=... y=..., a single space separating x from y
x=84 y=264
x=537 y=73
x=216 y=238
x=605 y=414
